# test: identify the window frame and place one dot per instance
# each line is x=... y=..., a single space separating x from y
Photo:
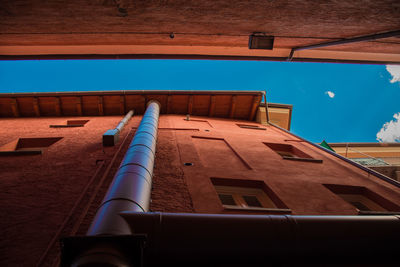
x=70 y=123
x=249 y=126
x=370 y=204
x=291 y=152
x=238 y=188
x=377 y=204
x=237 y=194
x=19 y=146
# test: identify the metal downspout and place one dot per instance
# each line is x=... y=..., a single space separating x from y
x=131 y=187
x=129 y=191
x=345 y=41
x=122 y=123
x=111 y=137
x=266 y=104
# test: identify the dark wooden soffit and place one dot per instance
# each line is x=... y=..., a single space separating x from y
x=198 y=29
x=223 y=104
x=244 y=57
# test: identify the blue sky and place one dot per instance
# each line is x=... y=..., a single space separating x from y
x=364 y=98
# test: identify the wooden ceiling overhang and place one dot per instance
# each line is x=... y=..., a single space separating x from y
x=213 y=29
x=224 y=104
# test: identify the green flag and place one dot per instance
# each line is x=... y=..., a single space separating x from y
x=325 y=144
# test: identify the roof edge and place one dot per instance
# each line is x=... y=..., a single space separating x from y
x=134 y=92
x=191 y=56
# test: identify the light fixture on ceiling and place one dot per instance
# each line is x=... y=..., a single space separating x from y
x=261 y=41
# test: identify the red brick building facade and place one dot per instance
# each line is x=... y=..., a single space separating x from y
x=211 y=164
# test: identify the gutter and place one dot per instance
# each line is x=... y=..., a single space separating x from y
x=175 y=239
x=188 y=239
x=345 y=41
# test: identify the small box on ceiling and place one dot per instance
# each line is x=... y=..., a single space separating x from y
x=261 y=42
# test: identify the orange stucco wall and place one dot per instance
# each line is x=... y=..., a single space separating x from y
x=39 y=193
x=242 y=155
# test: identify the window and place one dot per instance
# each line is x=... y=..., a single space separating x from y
x=361 y=202
x=247 y=195
x=243 y=197
x=27 y=146
x=248 y=126
x=290 y=152
x=77 y=122
x=198 y=122
x=70 y=123
x=362 y=199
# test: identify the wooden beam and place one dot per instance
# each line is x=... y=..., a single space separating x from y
x=36 y=106
x=211 y=110
x=57 y=106
x=169 y=104
x=233 y=106
x=79 y=105
x=190 y=105
x=122 y=107
x=253 y=108
x=14 y=107
x=145 y=103
x=100 y=105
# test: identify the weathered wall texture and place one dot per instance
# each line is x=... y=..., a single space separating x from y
x=39 y=193
x=170 y=193
x=390 y=171
x=218 y=148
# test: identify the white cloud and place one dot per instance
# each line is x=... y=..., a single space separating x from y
x=330 y=94
x=390 y=131
x=394 y=70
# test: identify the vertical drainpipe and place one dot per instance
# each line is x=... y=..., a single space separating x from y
x=266 y=104
x=131 y=187
x=129 y=191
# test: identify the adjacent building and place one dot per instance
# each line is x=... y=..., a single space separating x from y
x=381 y=157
